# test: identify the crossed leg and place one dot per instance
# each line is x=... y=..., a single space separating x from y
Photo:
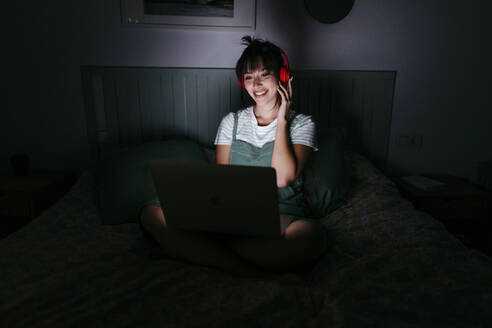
x=302 y=244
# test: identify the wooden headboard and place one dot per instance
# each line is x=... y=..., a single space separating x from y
x=131 y=105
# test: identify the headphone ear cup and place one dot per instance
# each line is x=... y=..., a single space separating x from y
x=241 y=83
x=284 y=74
x=284 y=69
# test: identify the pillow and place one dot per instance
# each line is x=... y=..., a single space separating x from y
x=326 y=178
x=124 y=180
x=210 y=154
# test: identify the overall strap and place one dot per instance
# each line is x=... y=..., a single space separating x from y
x=234 y=130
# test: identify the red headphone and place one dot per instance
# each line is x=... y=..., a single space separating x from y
x=284 y=72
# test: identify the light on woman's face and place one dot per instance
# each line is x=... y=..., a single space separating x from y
x=261 y=85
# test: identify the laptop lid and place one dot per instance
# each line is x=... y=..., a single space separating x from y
x=230 y=199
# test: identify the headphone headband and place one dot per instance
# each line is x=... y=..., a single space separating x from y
x=285 y=59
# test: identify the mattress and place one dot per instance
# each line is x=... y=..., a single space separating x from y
x=387 y=265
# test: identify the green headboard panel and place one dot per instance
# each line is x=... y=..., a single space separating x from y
x=130 y=105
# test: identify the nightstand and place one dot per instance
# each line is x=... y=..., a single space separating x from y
x=22 y=198
x=464 y=208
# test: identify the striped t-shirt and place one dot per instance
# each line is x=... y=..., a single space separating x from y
x=302 y=129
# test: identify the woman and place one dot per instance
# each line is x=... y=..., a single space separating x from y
x=268 y=133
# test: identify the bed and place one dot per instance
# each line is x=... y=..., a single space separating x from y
x=387 y=265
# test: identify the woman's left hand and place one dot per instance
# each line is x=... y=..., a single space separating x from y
x=285 y=99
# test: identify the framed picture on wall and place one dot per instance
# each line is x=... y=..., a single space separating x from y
x=214 y=14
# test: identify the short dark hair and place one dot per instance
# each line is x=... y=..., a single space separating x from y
x=259 y=52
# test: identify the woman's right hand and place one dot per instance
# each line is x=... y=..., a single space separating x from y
x=285 y=99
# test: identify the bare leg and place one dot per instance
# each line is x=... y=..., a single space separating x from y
x=194 y=247
x=303 y=243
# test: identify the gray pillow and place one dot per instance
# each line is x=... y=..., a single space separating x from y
x=326 y=176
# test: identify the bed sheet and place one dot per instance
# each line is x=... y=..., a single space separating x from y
x=387 y=264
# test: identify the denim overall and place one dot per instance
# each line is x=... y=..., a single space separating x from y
x=290 y=199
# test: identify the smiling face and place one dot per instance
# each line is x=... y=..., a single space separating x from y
x=261 y=85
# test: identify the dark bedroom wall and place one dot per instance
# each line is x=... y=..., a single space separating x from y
x=439 y=48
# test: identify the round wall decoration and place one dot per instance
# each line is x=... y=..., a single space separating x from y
x=328 y=11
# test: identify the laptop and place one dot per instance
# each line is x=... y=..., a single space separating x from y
x=223 y=199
